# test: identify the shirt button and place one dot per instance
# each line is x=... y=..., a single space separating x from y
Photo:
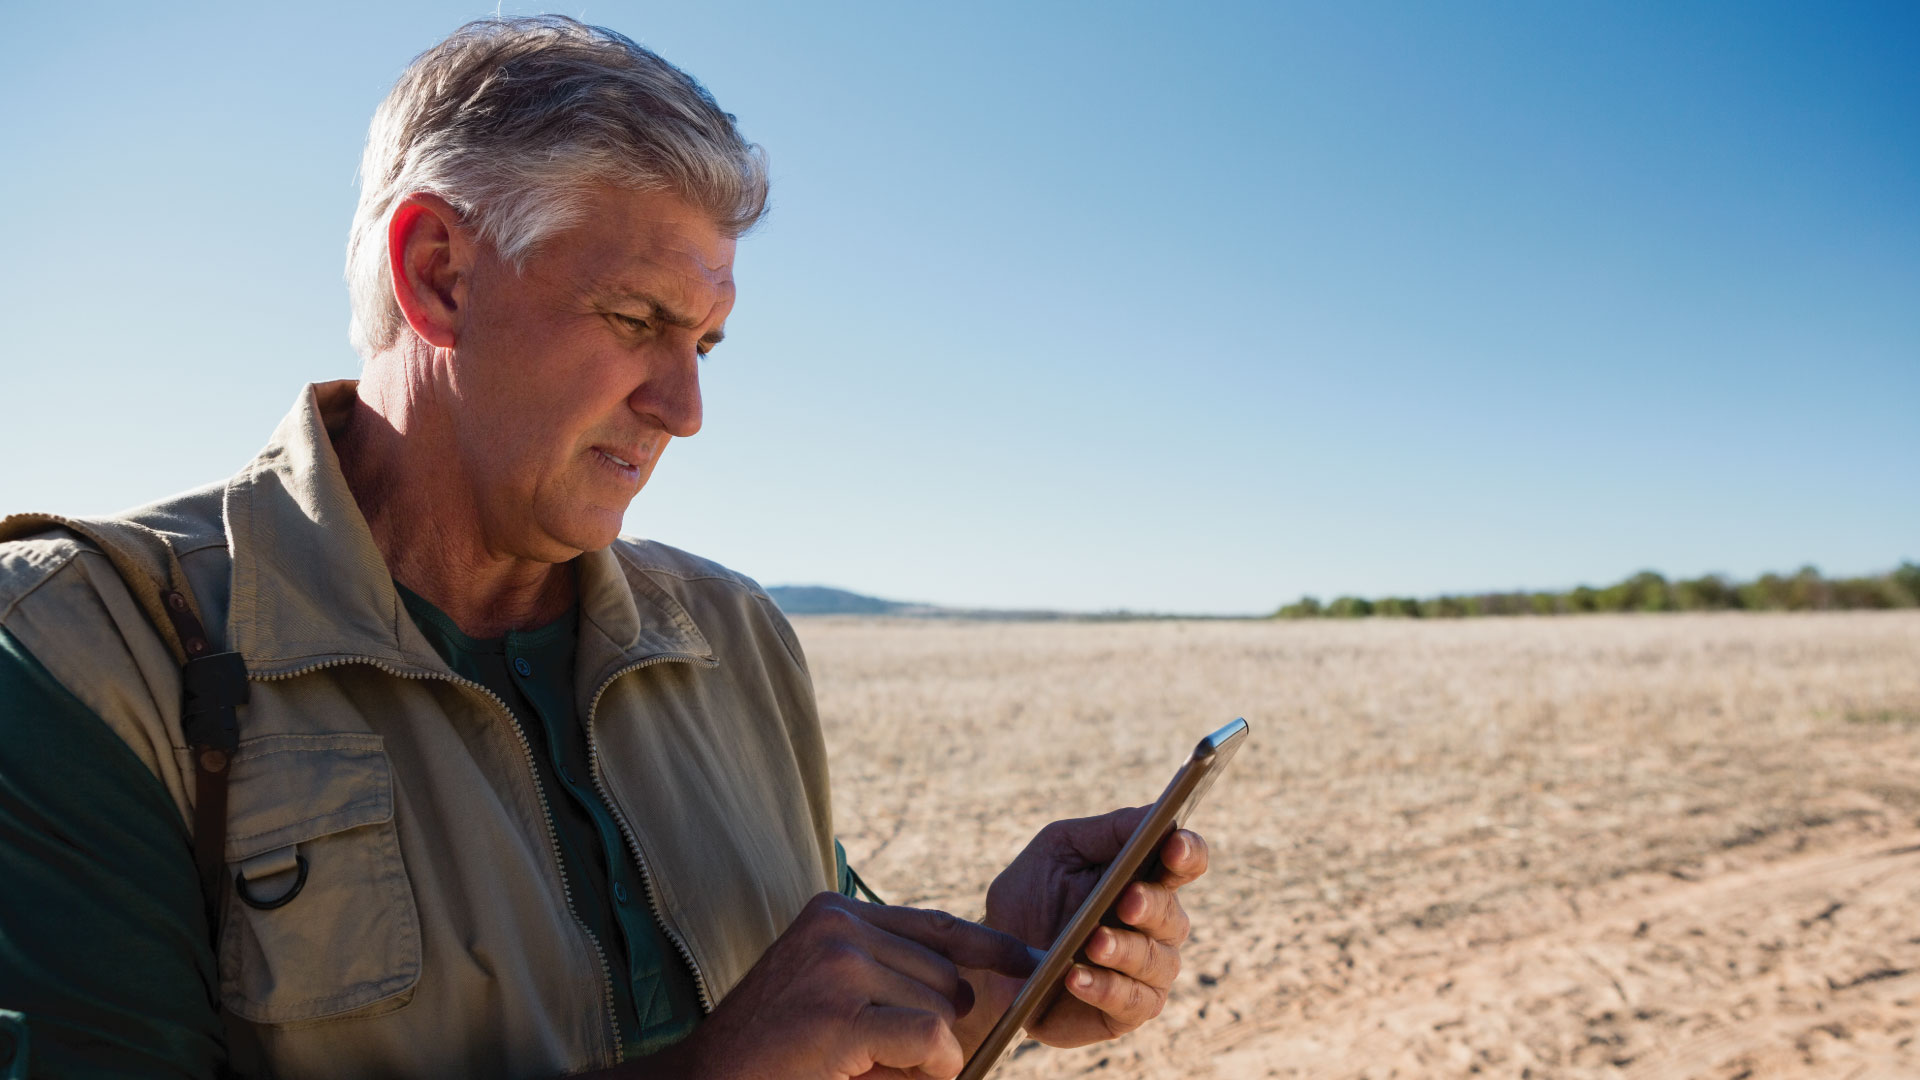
x=520 y=665
x=619 y=892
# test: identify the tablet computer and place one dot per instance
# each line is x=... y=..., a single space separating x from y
x=1139 y=859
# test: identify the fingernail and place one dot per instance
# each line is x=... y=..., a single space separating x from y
x=1082 y=978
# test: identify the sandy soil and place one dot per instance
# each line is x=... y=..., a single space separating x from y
x=1655 y=846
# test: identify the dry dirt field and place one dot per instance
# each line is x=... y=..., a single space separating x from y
x=1639 y=846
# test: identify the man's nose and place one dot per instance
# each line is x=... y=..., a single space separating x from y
x=671 y=395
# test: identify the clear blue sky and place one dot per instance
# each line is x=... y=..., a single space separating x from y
x=1170 y=307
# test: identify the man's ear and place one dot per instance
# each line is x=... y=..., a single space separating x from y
x=427 y=258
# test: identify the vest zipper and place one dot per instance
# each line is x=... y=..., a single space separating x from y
x=546 y=812
x=633 y=841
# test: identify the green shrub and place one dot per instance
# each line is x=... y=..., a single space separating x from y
x=1710 y=593
x=1349 y=607
x=1907 y=580
x=1768 y=593
x=1808 y=591
x=1307 y=607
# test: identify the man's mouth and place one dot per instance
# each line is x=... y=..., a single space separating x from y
x=619 y=461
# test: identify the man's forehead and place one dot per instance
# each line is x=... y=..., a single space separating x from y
x=657 y=262
x=687 y=294
x=645 y=254
x=650 y=263
x=654 y=230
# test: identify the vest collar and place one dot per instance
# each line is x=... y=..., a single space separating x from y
x=310 y=587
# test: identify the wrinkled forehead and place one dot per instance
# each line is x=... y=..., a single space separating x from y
x=651 y=243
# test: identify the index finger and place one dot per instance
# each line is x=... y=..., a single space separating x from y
x=1183 y=858
x=967 y=944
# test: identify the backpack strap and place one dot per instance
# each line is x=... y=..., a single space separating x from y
x=213 y=683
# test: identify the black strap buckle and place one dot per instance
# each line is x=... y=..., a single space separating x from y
x=214 y=686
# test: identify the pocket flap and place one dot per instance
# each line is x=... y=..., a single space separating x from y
x=288 y=789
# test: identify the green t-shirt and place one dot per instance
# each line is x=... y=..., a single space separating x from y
x=531 y=671
x=102 y=940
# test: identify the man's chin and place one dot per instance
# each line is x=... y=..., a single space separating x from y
x=593 y=530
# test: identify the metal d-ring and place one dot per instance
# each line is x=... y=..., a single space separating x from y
x=240 y=886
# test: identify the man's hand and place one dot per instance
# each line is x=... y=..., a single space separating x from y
x=1035 y=896
x=850 y=990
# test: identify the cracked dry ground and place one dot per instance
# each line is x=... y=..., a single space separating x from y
x=1639 y=846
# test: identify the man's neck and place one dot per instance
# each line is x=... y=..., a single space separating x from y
x=429 y=526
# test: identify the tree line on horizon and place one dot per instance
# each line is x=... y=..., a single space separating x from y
x=1805 y=590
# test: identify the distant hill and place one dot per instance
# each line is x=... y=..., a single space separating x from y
x=821 y=600
x=824 y=600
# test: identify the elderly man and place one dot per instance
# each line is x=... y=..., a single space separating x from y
x=509 y=796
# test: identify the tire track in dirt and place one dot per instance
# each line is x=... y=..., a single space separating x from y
x=1748 y=973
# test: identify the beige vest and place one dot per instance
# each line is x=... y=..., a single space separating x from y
x=433 y=936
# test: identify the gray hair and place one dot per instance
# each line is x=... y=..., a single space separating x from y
x=513 y=120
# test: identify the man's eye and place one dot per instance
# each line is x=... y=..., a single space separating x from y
x=628 y=322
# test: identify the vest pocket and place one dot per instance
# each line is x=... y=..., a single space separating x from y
x=348 y=940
